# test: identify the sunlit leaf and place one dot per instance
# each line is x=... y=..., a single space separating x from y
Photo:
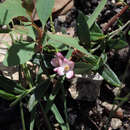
x=19 y=53
x=10 y=9
x=44 y=9
x=69 y=41
x=110 y=76
x=96 y=12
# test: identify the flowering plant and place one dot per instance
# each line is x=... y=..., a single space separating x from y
x=50 y=53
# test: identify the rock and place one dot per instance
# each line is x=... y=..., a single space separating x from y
x=86 y=88
x=109 y=107
x=62 y=18
x=70 y=31
x=116 y=123
x=117 y=90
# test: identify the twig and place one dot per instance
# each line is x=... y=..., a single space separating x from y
x=112 y=34
x=114 y=18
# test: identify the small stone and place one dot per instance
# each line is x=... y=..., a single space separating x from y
x=116 y=91
x=113 y=1
x=4 y=27
x=119 y=113
x=62 y=18
x=116 y=123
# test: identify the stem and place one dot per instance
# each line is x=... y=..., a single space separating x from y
x=27 y=75
x=94 y=49
x=65 y=108
x=112 y=34
x=22 y=116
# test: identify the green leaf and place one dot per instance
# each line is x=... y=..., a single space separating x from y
x=32 y=102
x=44 y=10
x=96 y=12
x=117 y=44
x=95 y=28
x=10 y=86
x=38 y=94
x=53 y=94
x=6 y=95
x=103 y=58
x=82 y=68
x=19 y=53
x=69 y=53
x=31 y=32
x=94 y=36
x=110 y=76
x=58 y=117
x=69 y=41
x=11 y=9
x=93 y=62
x=82 y=29
x=25 y=29
x=20 y=29
x=33 y=118
x=129 y=33
x=56 y=45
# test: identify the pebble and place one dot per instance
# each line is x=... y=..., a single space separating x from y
x=62 y=18
x=119 y=113
x=116 y=123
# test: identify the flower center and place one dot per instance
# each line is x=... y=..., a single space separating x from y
x=66 y=68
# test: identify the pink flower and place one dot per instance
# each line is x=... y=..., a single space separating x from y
x=63 y=66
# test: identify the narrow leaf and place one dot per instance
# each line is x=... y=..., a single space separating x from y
x=10 y=86
x=69 y=41
x=38 y=94
x=110 y=76
x=82 y=68
x=82 y=29
x=94 y=36
x=6 y=95
x=117 y=44
x=96 y=12
x=58 y=117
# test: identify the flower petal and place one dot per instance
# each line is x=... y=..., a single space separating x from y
x=70 y=63
x=55 y=62
x=69 y=74
x=60 y=70
x=59 y=55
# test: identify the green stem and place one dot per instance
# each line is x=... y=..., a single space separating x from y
x=114 y=33
x=65 y=108
x=27 y=75
x=22 y=116
x=94 y=49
